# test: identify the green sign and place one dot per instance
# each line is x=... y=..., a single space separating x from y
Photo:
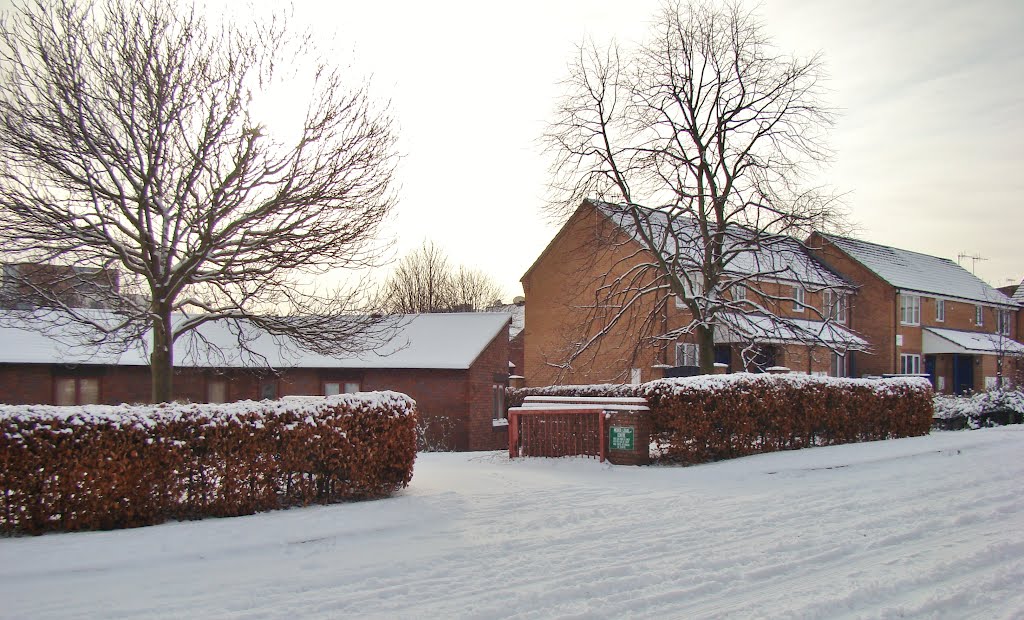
x=621 y=437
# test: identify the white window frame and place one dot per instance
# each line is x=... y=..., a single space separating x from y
x=910 y=364
x=979 y=315
x=692 y=288
x=687 y=354
x=739 y=292
x=215 y=385
x=910 y=309
x=840 y=367
x=1003 y=322
x=940 y=310
x=799 y=298
x=77 y=382
x=498 y=411
x=835 y=306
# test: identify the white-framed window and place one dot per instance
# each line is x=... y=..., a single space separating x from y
x=910 y=364
x=940 y=310
x=979 y=315
x=687 y=354
x=1004 y=322
x=216 y=390
x=693 y=286
x=799 y=297
x=739 y=292
x=76 y=390
x=332 y=388
x=498 y=411
x=910 y=309
x=835 y=306
x=839 y=368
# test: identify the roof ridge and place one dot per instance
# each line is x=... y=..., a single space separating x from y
x=890 y=247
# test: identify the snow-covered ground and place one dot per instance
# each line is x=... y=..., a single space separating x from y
x=924 y=527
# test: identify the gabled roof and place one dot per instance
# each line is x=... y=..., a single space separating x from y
x=913 y=271
x=776 y=256
x=1018 y=295
x=420 y=341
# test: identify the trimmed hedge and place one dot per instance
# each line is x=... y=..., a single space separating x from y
x=107 y=467
x=713 y=417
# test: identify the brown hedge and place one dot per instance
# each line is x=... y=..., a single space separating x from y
x=708 y=418
x=85 y=468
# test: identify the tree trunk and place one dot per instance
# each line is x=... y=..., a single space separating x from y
x=161 y=361
x=706 y=350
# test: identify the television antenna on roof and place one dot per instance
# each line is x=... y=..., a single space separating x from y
x=974 y=259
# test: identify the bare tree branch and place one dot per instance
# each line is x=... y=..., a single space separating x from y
x=697 y=144
x=129 y=143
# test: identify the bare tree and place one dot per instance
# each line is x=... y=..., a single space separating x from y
x=696 y=143
x=129 y=141
x=475 y=290
x=421 y=282
x=424 y=281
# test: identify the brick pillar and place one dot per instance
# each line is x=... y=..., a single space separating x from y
x=721 y=369
x=516 y=381
x=778 y=370
x=658 y=371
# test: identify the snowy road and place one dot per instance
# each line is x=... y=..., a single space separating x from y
x=915 y=528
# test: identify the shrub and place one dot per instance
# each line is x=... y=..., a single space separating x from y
x=992 y=408
x=103 y=467
x=712 y=417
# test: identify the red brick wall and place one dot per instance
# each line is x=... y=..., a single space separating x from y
x=489 y=369
x=873 y=309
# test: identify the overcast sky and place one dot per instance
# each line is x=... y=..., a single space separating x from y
x=929 y=143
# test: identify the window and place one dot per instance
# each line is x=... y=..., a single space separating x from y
x=76 y=390
x=910 y=309
x=687 y=354
x=216 y=391
x=333 y=388
x=940 y=310
x=268 y=390
x=1004 y=322
x=910 y=364
x=835 y=307
x=498 y=396
x=799 y=295
x=739 y=292
x=694 y=287
x=838 y=365
x=979 y=315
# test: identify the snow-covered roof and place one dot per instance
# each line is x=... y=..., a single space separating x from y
x=938 y=340
x=740 y=328
x=421 y=341
x=777 y=256
x=912 y=271
x=1018 y=295
x=518 y=313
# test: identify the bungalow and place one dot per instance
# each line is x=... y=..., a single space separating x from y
x=454 y=365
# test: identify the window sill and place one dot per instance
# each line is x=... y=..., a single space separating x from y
x=501 y=423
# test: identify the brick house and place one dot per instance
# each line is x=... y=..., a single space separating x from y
x=595 y=247
x=924 y=314
x=454 y=365
x=517 y=310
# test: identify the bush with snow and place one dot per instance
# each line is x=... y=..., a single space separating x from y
x=712 y=417
x=991 y=408
x=105 y=467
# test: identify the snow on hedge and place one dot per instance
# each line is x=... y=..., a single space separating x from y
x=146 y=415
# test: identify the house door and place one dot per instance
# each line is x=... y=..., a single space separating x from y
x=929 y=368
x=963 y=373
